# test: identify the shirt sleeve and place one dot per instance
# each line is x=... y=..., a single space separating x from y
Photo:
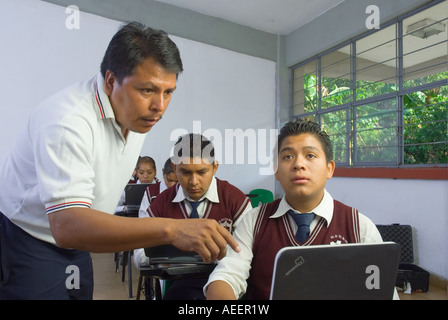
x=234 y=268
x=246 y=209
x=368 y=231
x=63 y=160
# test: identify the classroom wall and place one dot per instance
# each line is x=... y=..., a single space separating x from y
x=221 y=93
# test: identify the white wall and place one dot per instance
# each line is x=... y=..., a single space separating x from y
x=221 y=88
x=420 y=203
x=40 y=56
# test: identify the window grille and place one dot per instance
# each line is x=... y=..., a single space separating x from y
x=382 y=97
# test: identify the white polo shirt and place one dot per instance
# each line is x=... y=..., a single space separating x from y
x=71 y=154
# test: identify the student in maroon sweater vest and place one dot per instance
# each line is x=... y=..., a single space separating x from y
x=212 y=198
x=303 y=166
x=153 y=190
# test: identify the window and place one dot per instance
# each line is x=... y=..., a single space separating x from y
x=382 y=97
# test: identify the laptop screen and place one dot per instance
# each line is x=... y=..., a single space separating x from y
x=134 y=193
x=337 y=272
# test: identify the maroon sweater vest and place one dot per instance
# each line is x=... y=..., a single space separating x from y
x=152 y=191
x=271 y=235
x=232 y=203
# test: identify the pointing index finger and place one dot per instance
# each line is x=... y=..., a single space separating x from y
x=229 y=239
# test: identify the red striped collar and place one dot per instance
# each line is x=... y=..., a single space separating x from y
x=104 y=109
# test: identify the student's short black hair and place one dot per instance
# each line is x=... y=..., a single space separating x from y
x=133 y=43
x=193 y=145
x=167 y=168
x=300 y=126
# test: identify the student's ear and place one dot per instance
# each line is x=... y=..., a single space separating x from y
x=215 y=166
x=173 y=166
x=276 y=177
x=275 y=169
x=109 y=82
x=330 y=169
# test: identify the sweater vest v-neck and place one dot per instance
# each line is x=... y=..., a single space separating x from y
x=273 y=234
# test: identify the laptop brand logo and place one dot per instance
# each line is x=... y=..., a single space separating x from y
x=297 y=263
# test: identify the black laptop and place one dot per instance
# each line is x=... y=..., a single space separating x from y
x=168 y=254
x=168 y=262
x=133 y=196
x=336 y=272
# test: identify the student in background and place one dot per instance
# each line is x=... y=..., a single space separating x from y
x=198 y=194
x=303 y=167
x=169 y=179
x=151 y=192
x=146 y=170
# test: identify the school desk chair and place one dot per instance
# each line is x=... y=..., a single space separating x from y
x=260 y=195
x=168 y=263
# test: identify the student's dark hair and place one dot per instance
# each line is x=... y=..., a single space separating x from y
x=146 y=159
x=300 y=126
x=193 y=145
x=167 y=168
x=135 y=42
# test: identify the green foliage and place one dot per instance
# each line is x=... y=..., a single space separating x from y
x=425 y=127
x=425 y=121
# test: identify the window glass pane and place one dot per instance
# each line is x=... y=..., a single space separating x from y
x=425 y=47
x=372 y=128
x=376 y=132
x=376 y=64
x=426 y=126
x=335 y=125
x=336 y=78
x=305 y=88
x=310 y=118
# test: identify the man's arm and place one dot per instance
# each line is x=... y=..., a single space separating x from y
x=95 y=231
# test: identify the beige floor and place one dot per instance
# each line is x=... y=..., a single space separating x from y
x=109 y=286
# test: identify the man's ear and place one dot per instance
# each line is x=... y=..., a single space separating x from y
x=109 y=82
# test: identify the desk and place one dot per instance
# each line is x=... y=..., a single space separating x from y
x=176 y=271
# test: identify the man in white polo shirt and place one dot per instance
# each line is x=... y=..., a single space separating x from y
x=63 y=177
